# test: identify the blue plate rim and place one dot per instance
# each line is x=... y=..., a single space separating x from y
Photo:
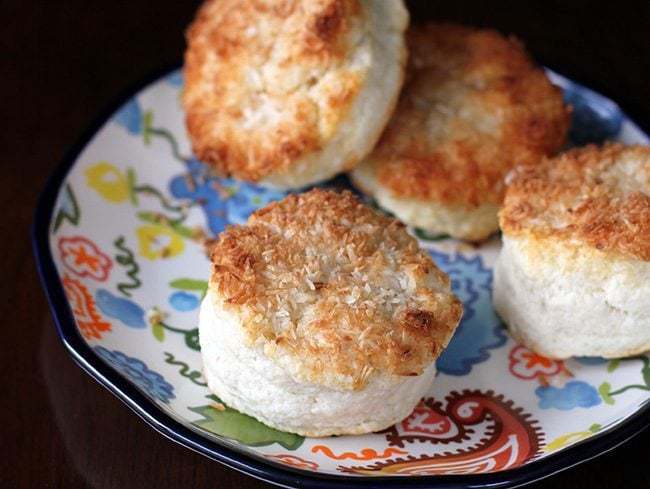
x=270 y=472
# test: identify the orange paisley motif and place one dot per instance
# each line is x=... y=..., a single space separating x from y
x=82 y=304
x=510 y=440
x=365 y=454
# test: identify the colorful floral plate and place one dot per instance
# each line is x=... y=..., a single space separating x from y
x=118 y=246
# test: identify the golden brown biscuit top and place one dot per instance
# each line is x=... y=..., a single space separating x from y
x=267 y=82
x=340 y=289
x=474 y=105
x=598 y=196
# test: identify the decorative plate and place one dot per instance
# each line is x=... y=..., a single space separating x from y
x=117 y=238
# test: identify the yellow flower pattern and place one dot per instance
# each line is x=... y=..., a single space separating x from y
x=157 y=241
x=109 y=181
x=570 y=438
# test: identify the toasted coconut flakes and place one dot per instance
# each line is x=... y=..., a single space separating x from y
x=595 y=196
x=334 y=306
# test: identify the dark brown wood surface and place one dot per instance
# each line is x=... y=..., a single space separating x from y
x=61 y=62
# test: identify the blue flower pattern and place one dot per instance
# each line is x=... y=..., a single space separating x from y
x=480 y=329
x=246 y=199
x=125 y=310
x=197 y=186
x=152 y=383
x=223 y=200
x=227 y=201
x=130 y=117
x=574 y=394
x=184 y=301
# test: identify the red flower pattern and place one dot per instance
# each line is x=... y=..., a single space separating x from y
x=84 y=258
x=526 y=364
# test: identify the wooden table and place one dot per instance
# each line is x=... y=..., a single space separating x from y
x=61 y=63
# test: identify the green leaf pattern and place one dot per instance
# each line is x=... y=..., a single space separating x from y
x=219 y=419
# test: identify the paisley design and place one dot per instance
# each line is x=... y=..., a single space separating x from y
x=510 y=440
x=428 y=422
x=134 y=211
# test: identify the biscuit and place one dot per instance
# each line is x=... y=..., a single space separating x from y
x=573 y=277
x=474 y=105
x=323 y=317
x=289 y=93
